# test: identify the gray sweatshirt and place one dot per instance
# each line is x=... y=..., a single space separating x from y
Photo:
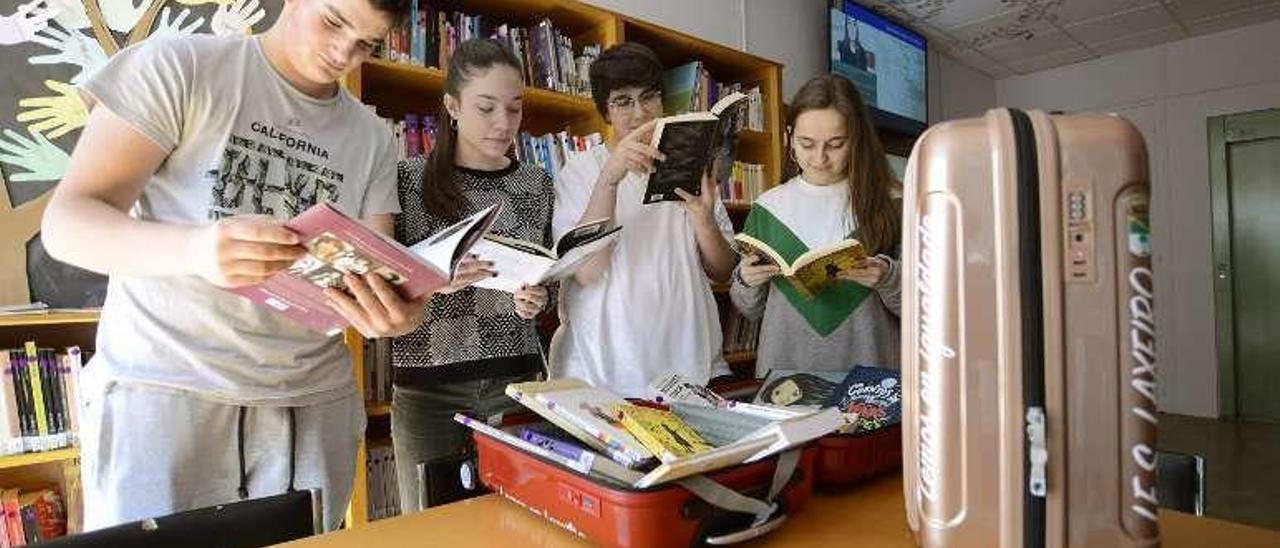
x=868 y=335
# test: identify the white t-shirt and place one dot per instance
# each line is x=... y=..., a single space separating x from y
x=652 y=311
x=241 y=140
x=817 y=214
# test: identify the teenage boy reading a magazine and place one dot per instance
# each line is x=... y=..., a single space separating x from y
x=645 y=308
x=198 y=396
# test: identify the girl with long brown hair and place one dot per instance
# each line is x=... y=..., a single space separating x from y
x=843 y=188
x=473 y=340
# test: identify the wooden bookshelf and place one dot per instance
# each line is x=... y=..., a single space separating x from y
x=51 y=317
x=58 y=468
x=42 y=457
x=395 y=89
x=398 y=88
x=725 y=65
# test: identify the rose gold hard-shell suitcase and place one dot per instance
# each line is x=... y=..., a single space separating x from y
x=1028 y=341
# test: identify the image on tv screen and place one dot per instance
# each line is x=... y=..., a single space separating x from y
x=885 y=61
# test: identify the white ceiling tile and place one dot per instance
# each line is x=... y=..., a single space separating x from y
x=891 y=10
x=1000 y=73
x=958 y=13
x=1005 y=27
x=1052 y=60
x=977 y=61
x=938 y=38
x=1122 y=24
x=1075 y=11
x=1041 y=44
x=1139 y=40
x=1235 y=19
x=1190 y=10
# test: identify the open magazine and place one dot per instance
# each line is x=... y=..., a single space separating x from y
x=337 y=245
x=519 y=263
x=814 y=269
x=695 y=143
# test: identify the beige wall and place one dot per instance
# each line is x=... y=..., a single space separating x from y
x=1169 y=92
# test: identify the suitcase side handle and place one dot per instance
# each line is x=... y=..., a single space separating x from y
x=749 y=533
x=767 y=514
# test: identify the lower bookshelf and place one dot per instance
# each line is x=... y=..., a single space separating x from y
x=27 y=459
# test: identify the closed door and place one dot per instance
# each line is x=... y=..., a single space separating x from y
x=1246 y=169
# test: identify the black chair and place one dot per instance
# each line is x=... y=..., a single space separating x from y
x=1180 y=482
x=246 y=524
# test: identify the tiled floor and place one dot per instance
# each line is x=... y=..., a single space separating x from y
x=1242 y=465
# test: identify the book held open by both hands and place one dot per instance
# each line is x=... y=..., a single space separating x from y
x=338 y=244
x=815 y=269
x=695 y=143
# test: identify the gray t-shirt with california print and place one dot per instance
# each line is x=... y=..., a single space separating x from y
x=241 y=140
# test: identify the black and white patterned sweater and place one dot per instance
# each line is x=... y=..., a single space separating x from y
x=473 y=324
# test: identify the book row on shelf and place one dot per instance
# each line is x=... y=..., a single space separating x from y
x=429 y=36
x=553 y=150
x=31 y=517
x=377 y=371
x=384 y=490
x=38 y=398
x=414 y=135
x=745 y=183
x=691 y=88
x=740 y=333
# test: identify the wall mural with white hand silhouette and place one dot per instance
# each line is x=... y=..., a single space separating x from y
x=47 y=48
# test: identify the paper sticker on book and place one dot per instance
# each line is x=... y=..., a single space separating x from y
x=1139 y=227
x=695 y=143
x=815 y=269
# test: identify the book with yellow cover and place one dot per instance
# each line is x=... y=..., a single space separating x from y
x=815 y=268
x=661 y=432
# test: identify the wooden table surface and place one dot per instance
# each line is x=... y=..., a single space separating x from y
x=871 y=514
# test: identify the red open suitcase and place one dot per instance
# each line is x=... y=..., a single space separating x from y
x=664 y=516
x=845 y=459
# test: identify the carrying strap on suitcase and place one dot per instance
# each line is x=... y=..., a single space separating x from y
x=765 y=511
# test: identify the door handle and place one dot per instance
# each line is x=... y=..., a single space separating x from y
x=1223 y=270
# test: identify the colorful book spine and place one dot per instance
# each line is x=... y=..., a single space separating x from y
x=627 y=451
x=37 y=390
x=581 y=464
x=11 y=421
x=558 y=446
x=22 y=395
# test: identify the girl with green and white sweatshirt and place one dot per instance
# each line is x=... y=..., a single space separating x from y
x=844 y=189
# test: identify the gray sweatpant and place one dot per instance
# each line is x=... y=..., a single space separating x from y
x=149 y=451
